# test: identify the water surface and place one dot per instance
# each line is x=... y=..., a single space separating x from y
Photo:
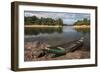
x=59 y=35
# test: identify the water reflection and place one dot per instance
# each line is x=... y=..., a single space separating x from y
x=55 y=36
x=82 y=30
x=36 y=31
x=51 y=30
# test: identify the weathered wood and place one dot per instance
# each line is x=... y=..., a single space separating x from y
x=58 y=50
x=63 y=49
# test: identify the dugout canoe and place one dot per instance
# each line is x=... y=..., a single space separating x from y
x=62 y=49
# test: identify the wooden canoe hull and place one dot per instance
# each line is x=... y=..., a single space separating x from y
x=62 y=49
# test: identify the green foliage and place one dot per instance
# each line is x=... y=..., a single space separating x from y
x=59 y=21
x=85 y=21
x=33 y=20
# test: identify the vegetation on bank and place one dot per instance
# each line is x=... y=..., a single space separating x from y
x=85 y=21
x=34 y=20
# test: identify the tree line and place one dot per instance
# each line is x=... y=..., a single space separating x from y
x=34 y=20
x=85 y=21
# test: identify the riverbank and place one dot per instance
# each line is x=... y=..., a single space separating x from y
x=82 y=26
x=76 y=26
x=35 y=48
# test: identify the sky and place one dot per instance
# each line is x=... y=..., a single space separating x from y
x=68 y=18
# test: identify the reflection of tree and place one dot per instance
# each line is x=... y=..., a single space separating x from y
x=82 y=30
x=36 y=31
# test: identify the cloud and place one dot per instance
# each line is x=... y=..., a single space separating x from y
x=68 y=18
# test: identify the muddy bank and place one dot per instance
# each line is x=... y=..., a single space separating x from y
x=33 y=49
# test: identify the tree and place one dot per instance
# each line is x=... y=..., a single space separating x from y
x=85 y=21
x=59 y=22
x=33 y=20
x=28 y=20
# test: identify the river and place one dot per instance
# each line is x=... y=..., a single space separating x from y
x=59 y=35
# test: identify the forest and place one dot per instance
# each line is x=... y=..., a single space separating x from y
x=85 y=21
x=34 y=20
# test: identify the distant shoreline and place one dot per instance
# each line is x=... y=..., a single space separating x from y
x=76 y=26
x=83 y=26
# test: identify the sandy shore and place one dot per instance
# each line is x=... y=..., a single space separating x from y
x=40 y=26
x=83 y=26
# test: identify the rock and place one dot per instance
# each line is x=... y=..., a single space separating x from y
x=39 y=53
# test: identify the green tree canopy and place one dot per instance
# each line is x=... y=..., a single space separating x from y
x=33 y=20
x=85 y=21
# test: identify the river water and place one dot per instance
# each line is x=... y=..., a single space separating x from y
x=54 y=36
